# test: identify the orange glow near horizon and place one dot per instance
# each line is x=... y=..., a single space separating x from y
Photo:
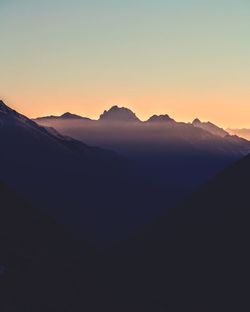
x=184 y=58
x=182 y=107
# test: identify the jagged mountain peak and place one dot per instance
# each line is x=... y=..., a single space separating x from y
x=116 y=113
x=160 y=118
x=210 y=127
x=196 y=121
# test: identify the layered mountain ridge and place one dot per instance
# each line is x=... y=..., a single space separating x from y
x=123 y=115
x=72 y=181
x=121 y=124
x=196 y=258
x=166 y=147
x=54 y=170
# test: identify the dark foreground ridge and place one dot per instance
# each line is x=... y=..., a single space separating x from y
x=42 y=268
x=196 y=259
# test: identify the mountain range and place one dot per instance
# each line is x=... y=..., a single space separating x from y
x=66 y=115
x=99 y=195
x=193 y=258
x=136 y=166
x=186 y=154
x=130 y=128
x=59 y=197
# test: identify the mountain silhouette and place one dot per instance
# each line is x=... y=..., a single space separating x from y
x=131 y=138
x=119 y=114
x=160 y=118
x=210 y=127
x=56 y=172
x=195 y=259
x=97 y=194
x=66 y=115
x=177 y=153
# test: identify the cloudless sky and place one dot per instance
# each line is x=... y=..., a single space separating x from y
x=187 y=58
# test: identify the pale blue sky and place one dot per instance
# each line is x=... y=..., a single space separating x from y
x=183 y=57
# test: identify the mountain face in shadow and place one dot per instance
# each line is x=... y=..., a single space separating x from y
x=42 y=268
x=183 y=153
x=197 y=258
x=97 y=194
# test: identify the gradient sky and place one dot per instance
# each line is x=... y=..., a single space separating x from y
x=187 y=58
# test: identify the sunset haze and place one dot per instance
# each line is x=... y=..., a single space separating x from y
x=184 y=58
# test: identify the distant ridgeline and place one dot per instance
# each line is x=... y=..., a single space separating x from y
x=183 y=153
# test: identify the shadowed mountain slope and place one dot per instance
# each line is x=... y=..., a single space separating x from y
x=42 y=267
x=197 y=258
x=96 y=193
